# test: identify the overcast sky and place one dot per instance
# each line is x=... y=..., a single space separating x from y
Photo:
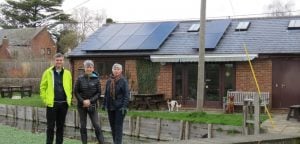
x=152 y=10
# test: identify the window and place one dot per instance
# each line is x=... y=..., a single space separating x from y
x=242 y=26
x=48 y=51
x=194 y=28
x=294 y=24
x=42 y=51
x=104 y=68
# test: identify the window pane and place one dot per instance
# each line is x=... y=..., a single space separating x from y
x=212 y=82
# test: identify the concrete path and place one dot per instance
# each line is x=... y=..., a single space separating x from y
x=281 y=125
x=283 y=131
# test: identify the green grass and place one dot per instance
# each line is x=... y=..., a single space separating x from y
x=34 y=101
x=197 y=117
x=9 y=135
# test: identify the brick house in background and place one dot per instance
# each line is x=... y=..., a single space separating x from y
x=26 y=43
x=273 y=44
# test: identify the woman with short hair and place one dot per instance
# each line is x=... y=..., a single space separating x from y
x=88 y=91
x=116 y=102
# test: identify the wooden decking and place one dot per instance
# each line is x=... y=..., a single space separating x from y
x=250 y=139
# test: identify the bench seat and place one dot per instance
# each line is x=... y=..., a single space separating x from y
x=240 y=96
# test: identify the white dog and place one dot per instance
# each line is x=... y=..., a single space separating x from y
x=173 y=103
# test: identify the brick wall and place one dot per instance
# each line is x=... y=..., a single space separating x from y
x=4 y=54
x=130 y=70
x=263 y=72
x=43 y=40
x=164 y=80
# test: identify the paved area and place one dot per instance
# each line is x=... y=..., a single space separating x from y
x=283 y=131
x=281 y=125
x=251 y=139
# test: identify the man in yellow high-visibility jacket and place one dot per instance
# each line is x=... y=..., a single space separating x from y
x=56 y=93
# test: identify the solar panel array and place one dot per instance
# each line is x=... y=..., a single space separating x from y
x=134 y=36
x=213 y=33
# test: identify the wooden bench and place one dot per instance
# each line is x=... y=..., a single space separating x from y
x=239 y=97
x=8 y=91
x=294 y=112
x=26 y=91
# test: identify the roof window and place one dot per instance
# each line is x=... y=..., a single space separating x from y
x=294 y=24
x=194 y=28
x=243 y=26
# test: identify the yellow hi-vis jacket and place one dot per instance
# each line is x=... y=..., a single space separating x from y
x=47 y=86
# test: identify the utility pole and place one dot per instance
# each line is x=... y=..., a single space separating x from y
x=201 y=61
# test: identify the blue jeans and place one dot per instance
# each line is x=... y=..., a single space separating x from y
x=116 y=119
x=95 y=121
x=56 y=115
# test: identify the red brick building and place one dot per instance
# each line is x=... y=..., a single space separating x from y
x=272 y=43
x=26 y=43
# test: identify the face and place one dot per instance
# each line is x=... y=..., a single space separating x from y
x=59 y=62
x=89 y=70
x=116 y=71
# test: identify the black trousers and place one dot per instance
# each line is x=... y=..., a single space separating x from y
x=95 y=121
x=116 y=119
x=56 y=115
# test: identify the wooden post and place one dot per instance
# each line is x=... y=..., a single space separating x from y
x=6 y=110
x=209 y=131
x=256 y=115
x=181 y=130
x=158 y=128
x=16 y=112
x=187 y=130
x=137 y=127
x=245 y=113
x=130 y=126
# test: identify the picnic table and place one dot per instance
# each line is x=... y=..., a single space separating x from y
x=8 y=91
x=147 y=100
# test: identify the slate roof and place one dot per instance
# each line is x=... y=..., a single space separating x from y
x=268 y=35
x=21 y=37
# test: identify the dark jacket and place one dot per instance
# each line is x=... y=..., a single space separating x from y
x=121 y=95
x=87 y=87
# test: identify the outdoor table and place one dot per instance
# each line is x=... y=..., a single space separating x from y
x=147 y=100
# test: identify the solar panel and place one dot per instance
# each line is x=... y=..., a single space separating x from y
x=146 y=36
x=213 y=33
x=158 y=36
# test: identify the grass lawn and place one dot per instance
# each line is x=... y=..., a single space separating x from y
x=9 y=135
x=199 y=117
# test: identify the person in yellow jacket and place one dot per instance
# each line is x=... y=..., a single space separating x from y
x=56 y=94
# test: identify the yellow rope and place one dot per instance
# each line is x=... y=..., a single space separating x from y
x=257 y=86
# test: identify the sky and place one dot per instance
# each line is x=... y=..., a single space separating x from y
x=158 y=10
x=155 y=10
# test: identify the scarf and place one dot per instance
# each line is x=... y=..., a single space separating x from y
x=114 y=80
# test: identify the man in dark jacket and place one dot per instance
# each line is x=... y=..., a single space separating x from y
x=87 y=91
x=116 y=102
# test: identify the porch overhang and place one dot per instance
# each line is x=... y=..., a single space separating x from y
x=208 y=58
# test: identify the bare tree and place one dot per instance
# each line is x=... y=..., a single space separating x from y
x=88 y=21
x=281 y=8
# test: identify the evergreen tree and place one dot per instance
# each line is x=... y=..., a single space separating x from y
x=31 y=13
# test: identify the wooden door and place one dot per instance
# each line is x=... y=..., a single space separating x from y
x=286 y=83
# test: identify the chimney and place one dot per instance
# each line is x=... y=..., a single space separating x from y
x=5 y=42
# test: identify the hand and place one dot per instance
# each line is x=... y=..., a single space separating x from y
x=86 y=103
x=124 y=110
